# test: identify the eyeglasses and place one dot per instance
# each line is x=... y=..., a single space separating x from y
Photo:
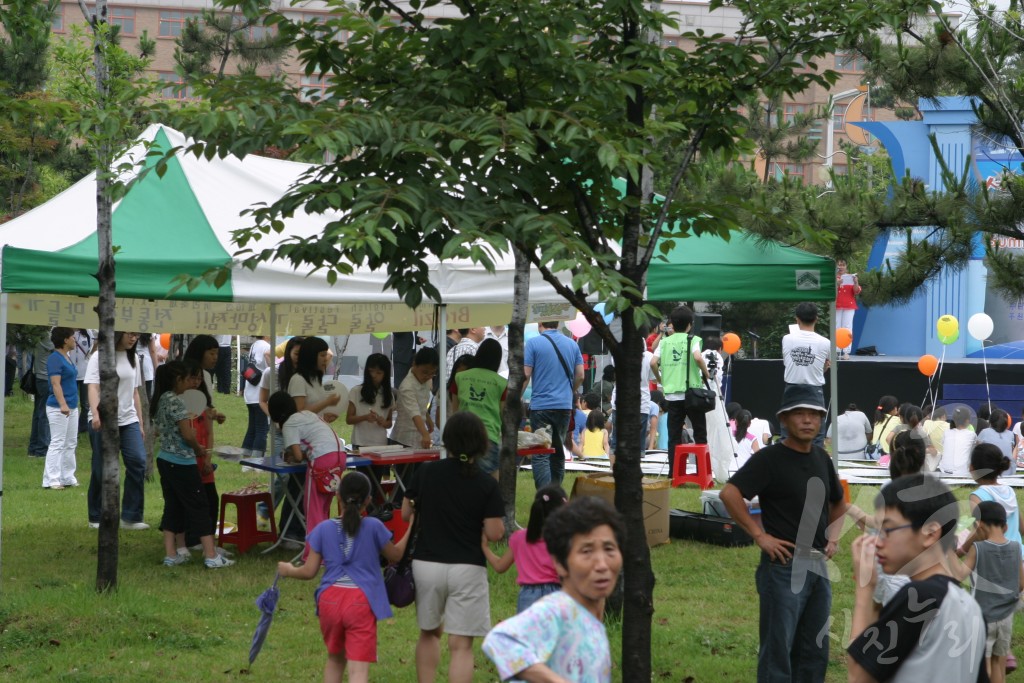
x=883 y=532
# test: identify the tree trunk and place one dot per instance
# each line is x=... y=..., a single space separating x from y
x=512 y=415
x=110 y=507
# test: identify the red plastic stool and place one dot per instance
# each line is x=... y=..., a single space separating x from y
x=703 y=477
x=246 y=533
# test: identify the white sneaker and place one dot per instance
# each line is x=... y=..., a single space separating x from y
x=134 y=526
x=176 y=560
x=217 y=562
x=94 y=525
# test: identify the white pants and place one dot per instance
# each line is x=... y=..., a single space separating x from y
x=59 y=469
x=844 y=318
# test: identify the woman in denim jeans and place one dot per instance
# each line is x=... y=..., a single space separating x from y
x=133 y=451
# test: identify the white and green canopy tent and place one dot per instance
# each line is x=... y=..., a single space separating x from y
x=182 y=223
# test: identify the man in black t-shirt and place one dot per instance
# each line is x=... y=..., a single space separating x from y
x=800 y=497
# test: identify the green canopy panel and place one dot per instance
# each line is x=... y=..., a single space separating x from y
x=744 y=268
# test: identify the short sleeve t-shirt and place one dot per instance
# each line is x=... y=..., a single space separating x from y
x=361 y=564
x=169 y=411
x=369 y=433
x=931 y=630
x=311 y=434
x=258 y=356
x=313 y=393
x=59 y=366
x=451 y=509
x=803 y=357
x=555 y=631
x=128 y=380
x=533 y=561
x=786 y=482
x=481 y=392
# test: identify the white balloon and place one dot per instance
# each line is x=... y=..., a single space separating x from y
x=980 y=326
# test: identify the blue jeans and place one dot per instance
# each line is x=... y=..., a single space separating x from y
x=550 y=469
x=531 y=593
x=39 y=439
x=133 y=452
x=492 y=458
x=255 y=439
x=796 y=599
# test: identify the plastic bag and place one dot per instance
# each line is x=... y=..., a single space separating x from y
x=538 y=439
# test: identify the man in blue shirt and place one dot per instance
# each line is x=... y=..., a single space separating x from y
x=555 y=365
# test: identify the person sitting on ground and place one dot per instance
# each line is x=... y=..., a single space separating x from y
x=957 y=445
x=935 y=427
x=561 y=637
x=998 y=434
x=595 y=438
x=745 y=443
x=886 y=420
x=919 y=635
x=853 y=433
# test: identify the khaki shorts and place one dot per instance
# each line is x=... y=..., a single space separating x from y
x=997 y=644
x=454 y=596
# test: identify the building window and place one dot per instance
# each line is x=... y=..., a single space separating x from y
x=840 y=169
x=175 y=87
x=57 y=23
x=839 y=115
x=173 y=21
x=794 y=171
x=791 y=110
x=850 y=61
x=313 y=88
x=123 y=17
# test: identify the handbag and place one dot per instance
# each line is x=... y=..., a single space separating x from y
x=325 y=472
x=28 y=380
x=572 y=385
x=700 y=399
x=251 y=373
x=874 y=450
x=398 y=579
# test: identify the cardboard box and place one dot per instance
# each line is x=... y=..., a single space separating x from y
x=656 y=503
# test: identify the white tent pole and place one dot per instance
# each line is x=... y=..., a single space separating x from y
x=272 y=382
x=237 y=364
x=3 y=382
x=834 y=378
x=442 y=369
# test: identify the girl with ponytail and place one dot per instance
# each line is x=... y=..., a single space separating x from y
x=351 y=597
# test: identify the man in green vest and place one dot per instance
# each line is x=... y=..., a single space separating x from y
x=679 y=365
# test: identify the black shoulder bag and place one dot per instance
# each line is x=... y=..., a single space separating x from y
x=697 y=400
x=572 y=384
x=28 y=380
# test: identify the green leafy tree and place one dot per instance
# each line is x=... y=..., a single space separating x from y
x=511 y=125
x=107 y=87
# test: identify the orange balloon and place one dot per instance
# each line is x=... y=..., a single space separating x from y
x=928 y=364
x=844 y=337
x=165 y=341
x=730 y=343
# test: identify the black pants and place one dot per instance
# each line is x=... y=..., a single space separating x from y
x=223 y=370
x=677 y=415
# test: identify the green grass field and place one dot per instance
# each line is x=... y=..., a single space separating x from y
x=188 y=623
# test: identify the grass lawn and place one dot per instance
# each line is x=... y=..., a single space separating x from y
x=187 y=623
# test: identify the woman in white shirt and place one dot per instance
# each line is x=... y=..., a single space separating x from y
x=133 y=450
x=307 y=384
x=371 y=404
x=957 y=445
x=254 y=443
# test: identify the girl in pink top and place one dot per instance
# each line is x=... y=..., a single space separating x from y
x=537 y=575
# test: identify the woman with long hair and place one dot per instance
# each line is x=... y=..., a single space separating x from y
x=886 y=420
x=306 y=386
x=133 y=450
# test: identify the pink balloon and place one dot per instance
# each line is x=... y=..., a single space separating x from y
x=579 y=327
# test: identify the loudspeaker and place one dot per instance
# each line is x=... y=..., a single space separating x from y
x=707 y=325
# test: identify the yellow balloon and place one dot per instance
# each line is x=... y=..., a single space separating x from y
x=947 y=326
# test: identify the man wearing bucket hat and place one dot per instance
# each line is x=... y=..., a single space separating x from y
x=800 y=497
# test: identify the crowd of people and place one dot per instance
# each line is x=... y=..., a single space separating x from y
x=569 y=556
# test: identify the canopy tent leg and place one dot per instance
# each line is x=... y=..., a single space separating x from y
x=833 y=373
x=3 y=407
x=272 y=382
x=442 y=371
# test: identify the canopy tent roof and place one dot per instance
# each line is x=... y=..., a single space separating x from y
x=182 y=223
x=744 y=268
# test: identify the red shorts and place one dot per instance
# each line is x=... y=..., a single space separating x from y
x=348 y=624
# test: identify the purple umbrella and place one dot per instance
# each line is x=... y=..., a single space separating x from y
x=267 y=602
